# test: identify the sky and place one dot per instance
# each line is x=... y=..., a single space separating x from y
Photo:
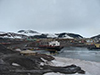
x=51 y=16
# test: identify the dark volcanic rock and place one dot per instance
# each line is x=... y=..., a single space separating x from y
x=4 y=50
x=30 y=64
x=71 y=69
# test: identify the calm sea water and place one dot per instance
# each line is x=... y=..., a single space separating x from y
x=77 y=53
x=80 y=53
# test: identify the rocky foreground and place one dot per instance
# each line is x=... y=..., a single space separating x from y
x=14 y=63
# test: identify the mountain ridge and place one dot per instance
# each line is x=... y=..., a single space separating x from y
x=34 y=34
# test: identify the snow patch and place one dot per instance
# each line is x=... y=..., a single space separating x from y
x=42 y=64
x=30 y=34
x=15 y=64
x=43 y=60
x=52 y=35
x=66 y=36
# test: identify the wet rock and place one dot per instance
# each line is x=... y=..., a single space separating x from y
x=46 y=57
x=22 y=61
x=4 y=50
x=71 y=69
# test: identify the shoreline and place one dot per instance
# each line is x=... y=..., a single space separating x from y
x=91 y=68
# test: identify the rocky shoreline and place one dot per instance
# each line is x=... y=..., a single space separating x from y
x=14 y=63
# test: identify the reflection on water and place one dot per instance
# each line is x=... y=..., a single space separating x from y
x=80 y=53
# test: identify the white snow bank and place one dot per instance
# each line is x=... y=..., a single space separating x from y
x=91 y=68
x=15 y=64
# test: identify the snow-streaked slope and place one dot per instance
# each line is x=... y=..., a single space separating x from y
x=35 y=34
x=49 y=35
x=12 y=35
x=66 y=36
x=97 y=37
x=91 y=68
x=52 y=35
x=69 y=36
x=28 y=32
x=2 y=32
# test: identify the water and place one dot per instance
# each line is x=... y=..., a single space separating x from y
x=76 y=53
x=80 y=53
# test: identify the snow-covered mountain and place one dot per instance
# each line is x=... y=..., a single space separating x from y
x=12 y=35
x=69 y=35
x=34 y=34
x=28 y=32
x=62 y=35
x=52 y=36
x=96 y=37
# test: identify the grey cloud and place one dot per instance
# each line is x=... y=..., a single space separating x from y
x=79 y=16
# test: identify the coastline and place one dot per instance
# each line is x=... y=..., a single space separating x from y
x=91 y=68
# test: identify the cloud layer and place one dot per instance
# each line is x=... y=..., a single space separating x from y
x=78 y=16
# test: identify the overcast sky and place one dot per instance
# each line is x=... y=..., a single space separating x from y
x=75 y=16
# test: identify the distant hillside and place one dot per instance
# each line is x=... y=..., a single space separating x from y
x=34 y=34
x=96 y=37
x=69 y=35
x=28 y=32
x=12 y=35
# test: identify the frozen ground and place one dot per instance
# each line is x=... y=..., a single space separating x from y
x=91 y=68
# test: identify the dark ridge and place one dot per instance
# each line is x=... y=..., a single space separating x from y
x=70 y=34
x=20 y=31
x=25 y=31
x=97 y=36
x=31 y=31
x=74 y=35
x=40 y=36
x=61 y=35
x=4 y=50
